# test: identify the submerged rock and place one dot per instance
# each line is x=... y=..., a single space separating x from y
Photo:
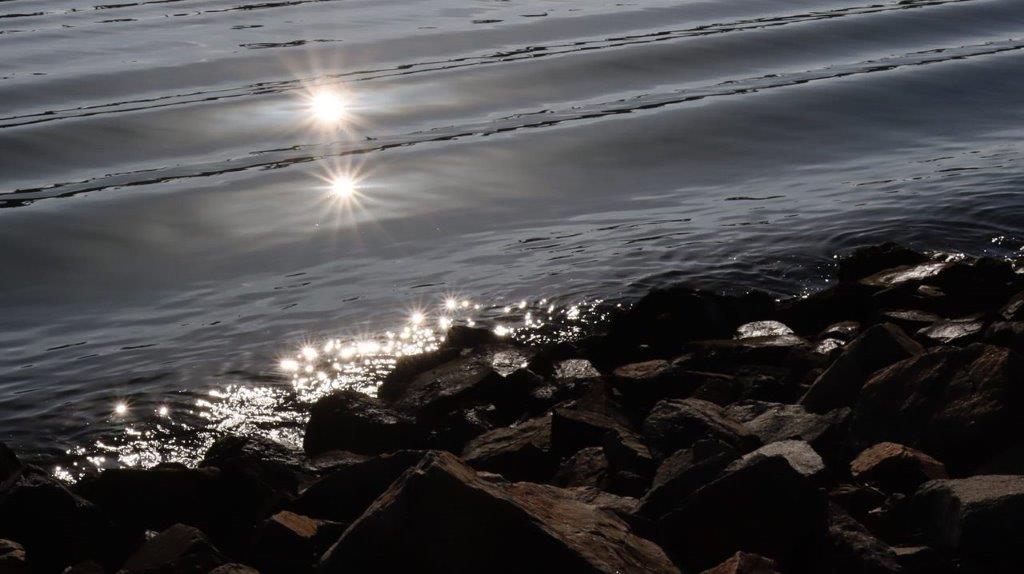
x=352 y=421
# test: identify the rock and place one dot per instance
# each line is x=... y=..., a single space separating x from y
x=1010 y=335
x=765 y=507
x=838 y=386
x=155 y=498
x=178 y=549
x=9 y=463
x=843 y=302
x=441 y=517
x=642 y=384
x=980 y=517
x=408 y=367
x=678 y=423
x=575 y=369
x=12 y=558
x=955 y=331
x=896 y=467
x=623 y=506
x=281 y=466
x=745 y=563
x=458 y=383
x=857 y=499
x=682 y=474
x=912 y=320
x=774 y=422
x=349 y=420
x=762 y=329
x=521 y=452
x=798 y=453
x=87 y=567
x=962 y=405
x=918 y=560
x=843 y=330
x=56 y=527
x=1007 y=461
x=465 y=337
x=828 y=346
x=1014 y=308
x=854 y=550
x=767 y=350
x=573 y=429
x=286 y=542
x=343 y=495
x=588 y=467
x=869 y=260
x=234 y=569
x=902 y=274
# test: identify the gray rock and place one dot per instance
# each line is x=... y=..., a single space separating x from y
x=762 y=329
x=679 y=423
x=799 y=454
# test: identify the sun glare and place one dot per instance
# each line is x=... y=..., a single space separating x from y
x=328 y=106
x=343 y=186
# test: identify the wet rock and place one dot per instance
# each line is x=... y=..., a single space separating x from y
x=799 y=454
x=520 y=452
x=910 y=320
x=352 y=421
x=960 y=331
x=287 y=542
x=343 y=495
x=838 y=386
x=980 y=517
x=962 y=405
x=457 y=383
x=895 y=467
x=903 y=274
x=12 y=558
x=466 y=337
x=765 y=507
x=828 y=346
x=843 y=302
x=56 y=527
x=762 y=329
x=679 y=423
x=843 y=330
x=574 y=369
x=1014 y=308
x=682 y=474
x=588 y=467
x=869 y=260
x=440 y=516
x=854 y=550
x=745 y=563
x=178 y=549
x=280 y=466
x=767 y=350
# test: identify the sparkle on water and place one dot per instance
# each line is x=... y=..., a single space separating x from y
x=328 y=106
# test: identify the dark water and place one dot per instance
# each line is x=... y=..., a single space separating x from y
x=169 y=232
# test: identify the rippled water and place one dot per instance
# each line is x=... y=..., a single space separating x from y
x=195 y=190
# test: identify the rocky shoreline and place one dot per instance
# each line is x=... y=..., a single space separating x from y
x=876 y=426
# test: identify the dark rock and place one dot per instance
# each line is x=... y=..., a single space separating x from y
x=773 y=422
x=768 y=350
x=521 y=452
x=234 y=569
x=588 y=467
x=911 y=320
x=1007 y=461
x=682 y=474
x=772 y=510
x=623 y=506
x=678 y=423
x=573 y=429
x=745 y=563
x=408 y=367
x=178 y=549
x=56 y=527
x=465 y=337
x=458 y=383
x=857 y=499
x=960 y=331
x=869 y=260
x=718 y=388
x=842 y=330
x=350 y=420
x=854 y=550
x=981 y=517
x=343 y=495
x=9 y=463
x=12 y=558
x=1014 y=308
x=843 y=302
x=1010 y=335
x=895 y=467
x=286 y=542
x=155 y=498
x=919 y=560
x=962 y=405
x=87 y=567
x=451 y=431
x=905 y=274
x=441 y=517
x=625 y=451
x=838 y=386
x=762 y=329
x=799 y=454
x=280 y=466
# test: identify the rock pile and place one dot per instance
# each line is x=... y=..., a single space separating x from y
x=874 y=427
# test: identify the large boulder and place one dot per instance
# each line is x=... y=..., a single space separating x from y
x=679 y=423
x=520 y=452
x=352 y=421
x=441 y=517
x=275 y=463
x=981 y=518
x=180 y=549
x=765 y=507
x=878 y=347
x=960 y=405
x=960 y=331
x=895 y=467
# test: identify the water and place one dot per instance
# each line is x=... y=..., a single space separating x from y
x=171 y=231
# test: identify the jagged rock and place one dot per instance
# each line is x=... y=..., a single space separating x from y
x=773 y=422
x=457 y=383
x=918 y=560
x=869 y=260
x=287 y=542
x=234 y=569
x=766 y=350
x=980 y=517
x=762 y=329
x=1014 y=308
x=678 y=423
x=961 y=405
x=843 y=302
x=90 y=567
x=745 y=563
x=857 y=499
x=56 y=527
x=12 y=558
x=901 y=274
x=895 y=467
x=350 y=420
x=854 y=550
x=1004 y=334
x=1006 y=461
x=911 y=320
x=573 y=429
x=845 y=331
x=765 y=507
x=280 y=466
x=409 y=366
x=683 y=473
x=343 y=495
x=624 y=506
x=588 y=467
x=960 y=331
x=828 y=346
x=441 y=517
x=521 y=452
x=574 y=369
x=451 y=431
x=466 y=337
x=838 y=386
x=799 y=454
x=178 y=549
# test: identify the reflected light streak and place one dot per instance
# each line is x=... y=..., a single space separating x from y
x=328 y=106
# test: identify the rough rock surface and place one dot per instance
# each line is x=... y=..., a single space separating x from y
x=522 y=452
x=352 y=421
x=896 y=467
x=178 y=549
x=745 y=563
x=675 y=424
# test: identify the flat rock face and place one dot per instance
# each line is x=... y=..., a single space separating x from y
x=352 y=421
x=961 y=405
x=980 y=516
x=180 y=548
x=896 y=467
x=904 y=274
x=522 y=452
x=675 y=424
x=954 y=331
x=441 y=517
x=799 y=454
